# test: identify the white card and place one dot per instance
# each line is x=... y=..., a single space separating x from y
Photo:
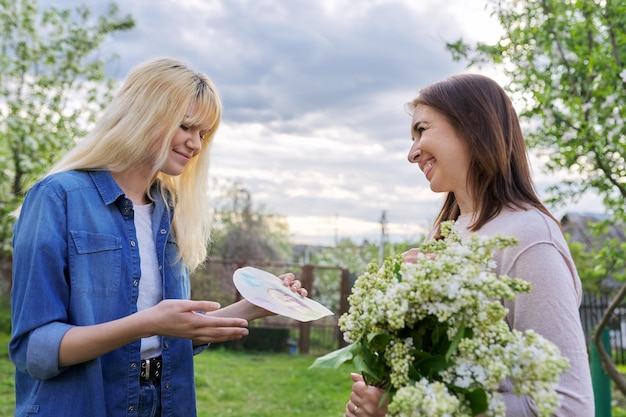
x=267 y=291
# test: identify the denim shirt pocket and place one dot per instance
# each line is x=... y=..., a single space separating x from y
x=96 y=263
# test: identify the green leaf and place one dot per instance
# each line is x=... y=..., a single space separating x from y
x=418 y=339
x=457 y=339
x=477 y=399
x=414 y=374
x=378 y=342
x=397 y=266
x=432 y=365
x=436 y=335
x=374 y=375
x=335 y=359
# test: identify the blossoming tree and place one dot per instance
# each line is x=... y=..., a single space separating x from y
x=52 y=83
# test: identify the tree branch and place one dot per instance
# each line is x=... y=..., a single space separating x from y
x=607 y=172
x=607 y=362
x=551 y=29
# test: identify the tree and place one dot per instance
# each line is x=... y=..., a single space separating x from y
x=353 y=257
x=243 y=232
x=565 y=62
x=52 y=86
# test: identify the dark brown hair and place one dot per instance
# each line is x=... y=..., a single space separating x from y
x=499 y=172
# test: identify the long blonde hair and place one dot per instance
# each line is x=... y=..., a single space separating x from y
x=138 y=127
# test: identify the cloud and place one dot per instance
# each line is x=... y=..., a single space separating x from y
x=314 y=90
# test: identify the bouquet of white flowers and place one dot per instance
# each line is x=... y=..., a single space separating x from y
x=433 y=334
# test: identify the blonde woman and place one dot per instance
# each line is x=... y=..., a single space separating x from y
x=102 y=250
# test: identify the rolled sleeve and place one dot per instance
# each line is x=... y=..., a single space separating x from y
x=42 y=355
x=40 y=292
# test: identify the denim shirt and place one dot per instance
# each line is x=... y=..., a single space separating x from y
x=76 y=263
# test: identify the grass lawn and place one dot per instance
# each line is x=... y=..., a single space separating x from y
x=231 y=384
x=242 y=384
x=7 y=391
x=268 y=385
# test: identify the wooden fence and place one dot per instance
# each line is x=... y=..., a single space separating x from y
x=592 y=309
x=214 y=282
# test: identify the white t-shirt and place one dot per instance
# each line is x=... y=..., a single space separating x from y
x=150 y=283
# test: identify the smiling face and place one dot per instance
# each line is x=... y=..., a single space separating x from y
x=186 y=143
x=441 y=153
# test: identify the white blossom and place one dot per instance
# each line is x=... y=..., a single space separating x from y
x=417 y=310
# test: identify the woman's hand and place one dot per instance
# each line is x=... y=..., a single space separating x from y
x=289 y=280
x=188 y=320
x=415 y=254
x=176 y=318
x=410 y=256
x=365 y=400
x=249 y=311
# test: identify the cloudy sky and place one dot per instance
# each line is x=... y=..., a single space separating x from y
x=314 y=124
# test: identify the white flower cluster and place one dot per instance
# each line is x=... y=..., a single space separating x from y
x=437 y=326
x=433 y=399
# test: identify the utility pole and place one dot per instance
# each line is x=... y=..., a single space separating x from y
x=383 y=238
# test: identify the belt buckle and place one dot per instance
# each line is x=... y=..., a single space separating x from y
x=150 y=369
x=145 y=373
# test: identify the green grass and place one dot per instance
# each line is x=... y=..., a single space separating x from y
x=7 y=387
x=617 y=399
x=241 y=384
x=264 y=385
x=233 y=384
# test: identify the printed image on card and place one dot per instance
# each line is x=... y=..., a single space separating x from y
x=267 y=291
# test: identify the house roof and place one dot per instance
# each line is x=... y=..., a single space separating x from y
x=577 y=227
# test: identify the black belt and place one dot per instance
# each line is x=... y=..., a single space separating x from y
x=151 y=369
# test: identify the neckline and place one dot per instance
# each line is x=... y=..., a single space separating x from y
x=147 y=206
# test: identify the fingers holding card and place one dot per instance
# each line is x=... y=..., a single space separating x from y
x=267 y=291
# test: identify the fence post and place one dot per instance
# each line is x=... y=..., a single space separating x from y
x=305 y=327
x=344 y=306
x=600 y=380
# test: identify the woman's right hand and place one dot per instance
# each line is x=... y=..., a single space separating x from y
x=175 y=318
x=365 y=399
x=187 y=319
x=414 y=254
x=410 y=256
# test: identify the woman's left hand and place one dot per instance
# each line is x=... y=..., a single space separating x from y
x=289 y=280
x=249 y=311
x=413 y=255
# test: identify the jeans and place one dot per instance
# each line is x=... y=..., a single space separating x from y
x=149 y=400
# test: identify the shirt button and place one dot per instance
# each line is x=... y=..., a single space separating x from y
x=133 y=366
x=166 y=345
x=163 y=231
x=131 y=409
x=160 y=267
x=167 y=385
x=135 y=283
x=132 y=243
